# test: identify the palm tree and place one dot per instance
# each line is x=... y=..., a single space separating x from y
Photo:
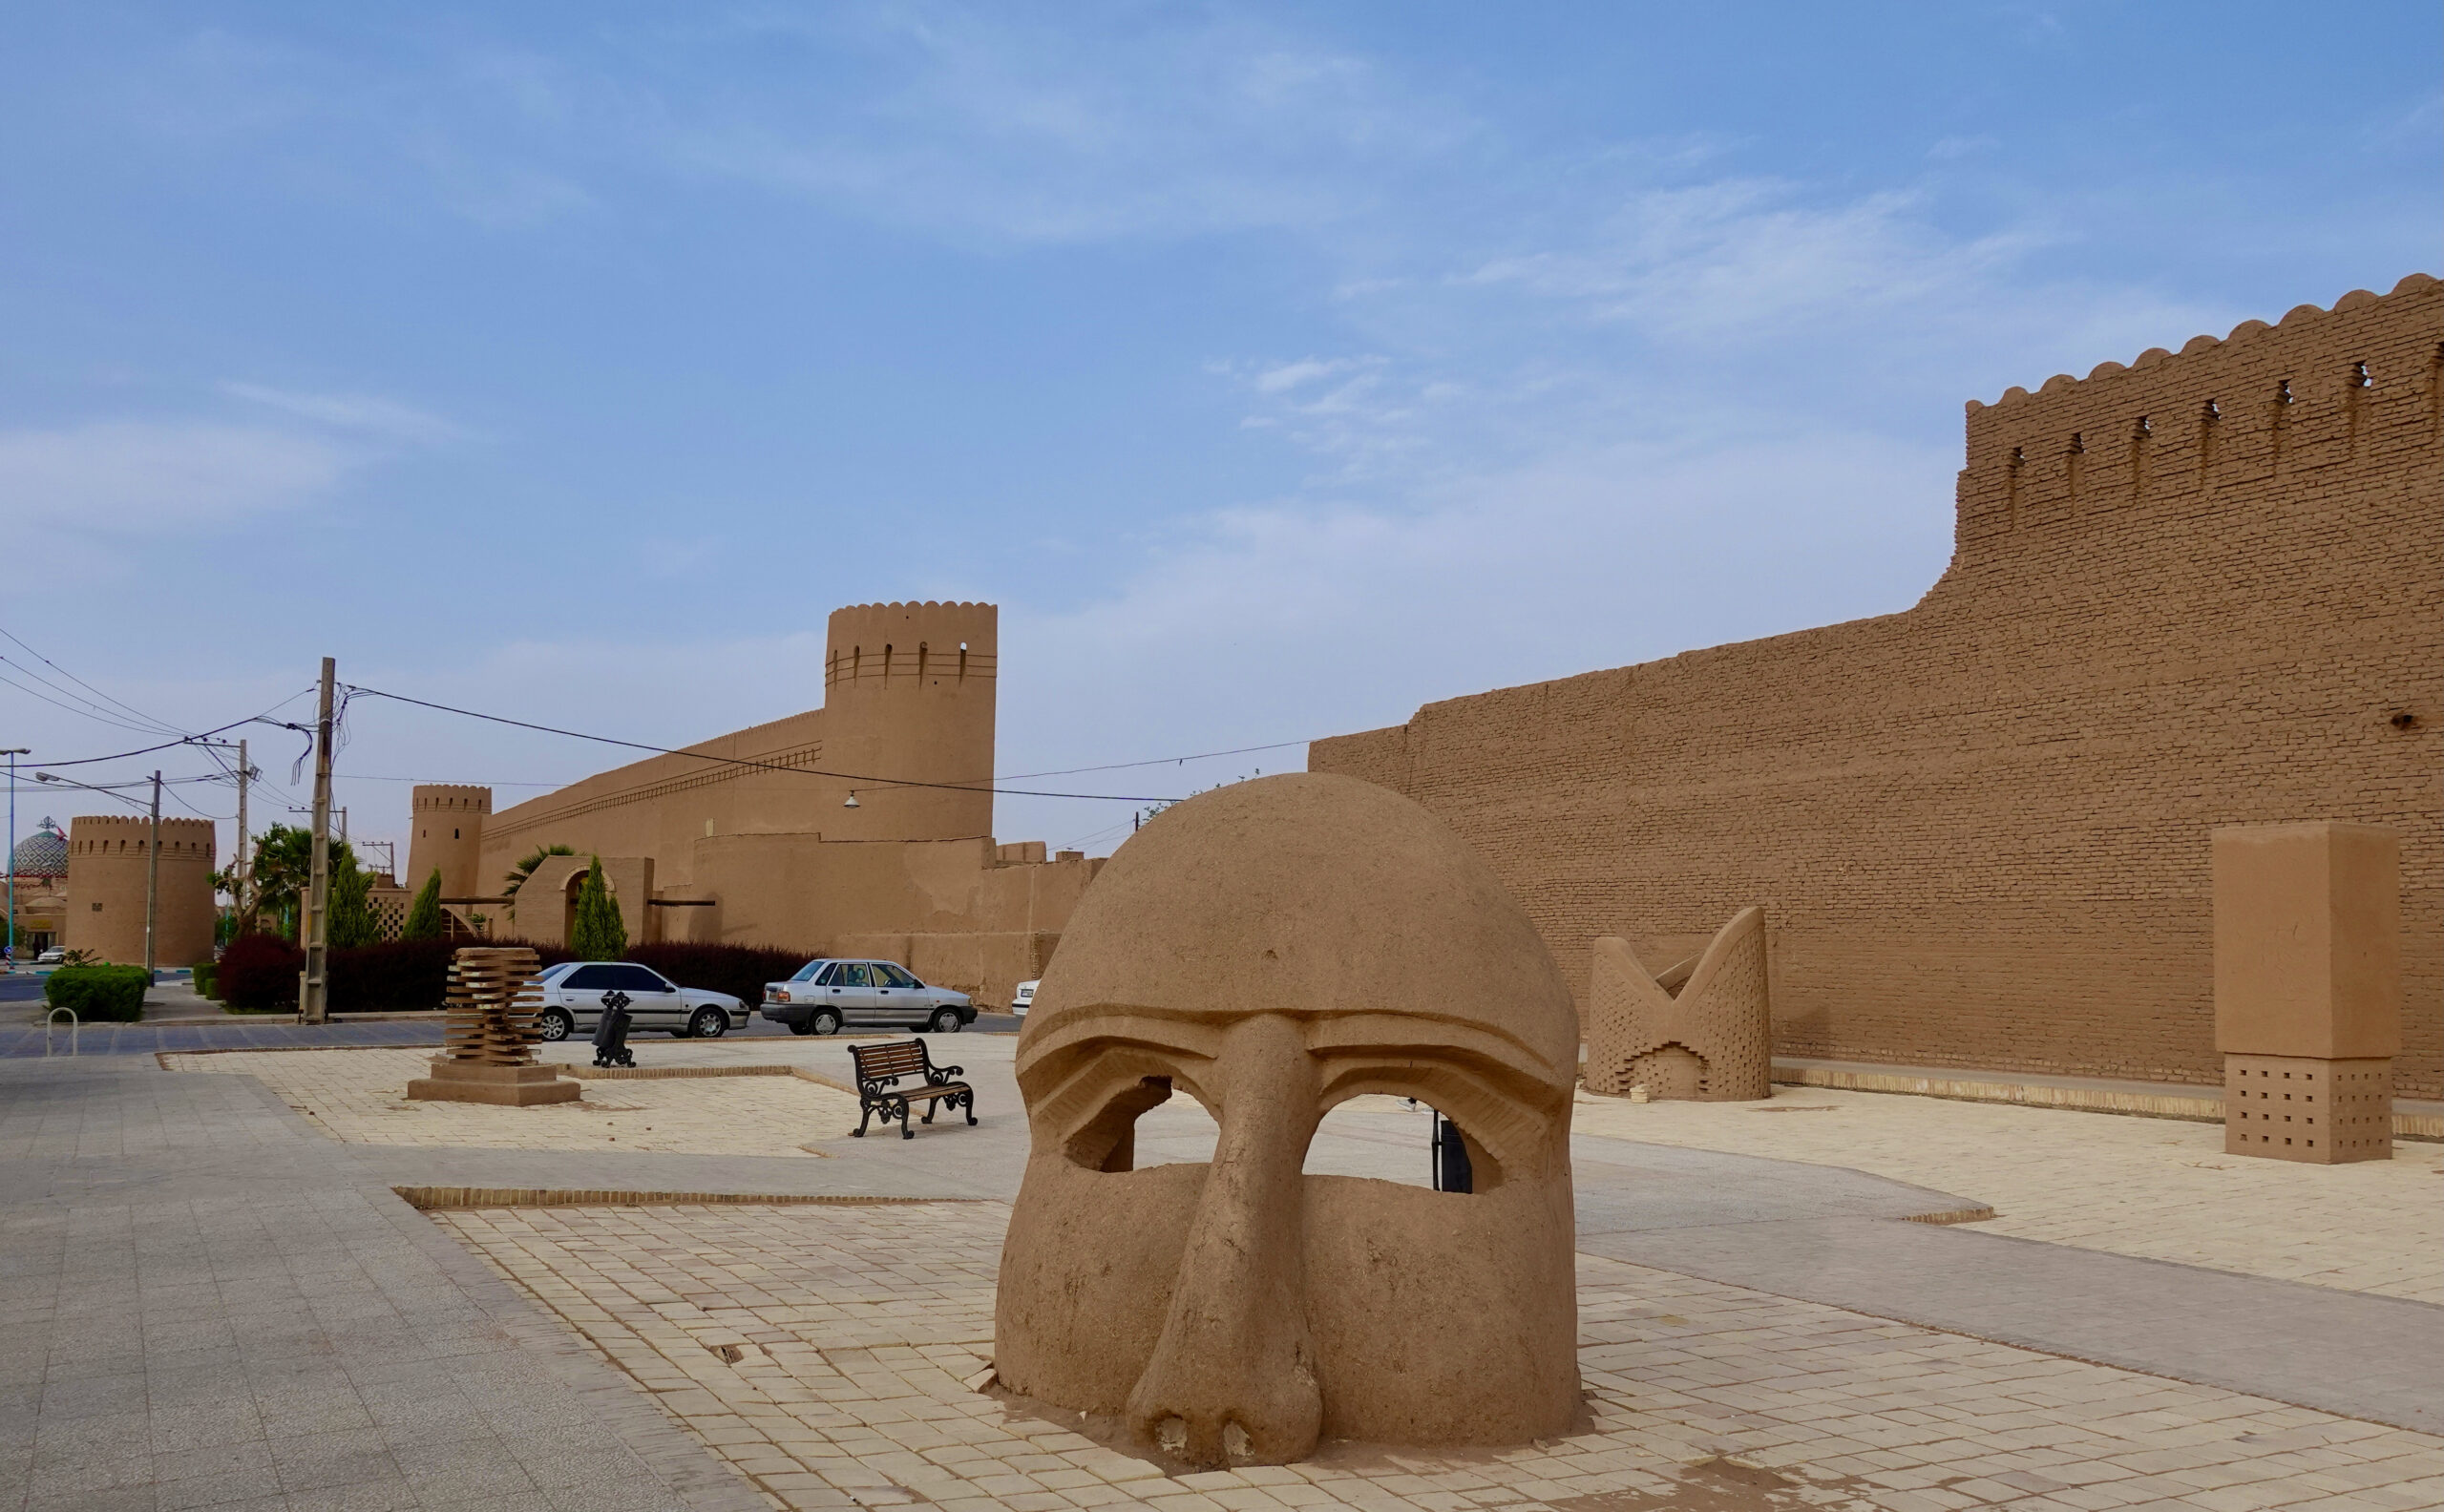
x=525 y=867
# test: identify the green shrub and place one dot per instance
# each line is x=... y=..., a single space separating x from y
x=100 y=994
x=204 y=971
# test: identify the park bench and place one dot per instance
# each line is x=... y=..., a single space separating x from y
x=880 y=1068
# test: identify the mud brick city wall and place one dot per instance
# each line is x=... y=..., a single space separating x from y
x=2205 y=589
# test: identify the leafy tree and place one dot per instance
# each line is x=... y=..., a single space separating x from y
x=283 y=872
x=424 y=915
x=524 y=869
x=597 y=932
x=352 y=920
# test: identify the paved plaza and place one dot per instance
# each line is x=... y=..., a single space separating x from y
x=217 y=1297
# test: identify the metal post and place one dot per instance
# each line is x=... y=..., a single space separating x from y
x=14 y=752
x=314 y=998
x=152 y=881
x=246 y=842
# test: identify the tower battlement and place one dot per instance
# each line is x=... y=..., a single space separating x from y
x=911 y=643
x=449 y=797
x=130 y=834
x=2354 y=385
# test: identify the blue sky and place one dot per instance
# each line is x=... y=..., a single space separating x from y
x=1276 y=369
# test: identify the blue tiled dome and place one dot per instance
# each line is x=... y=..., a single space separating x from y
x=43 y=852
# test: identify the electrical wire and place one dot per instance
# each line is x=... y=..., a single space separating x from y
x=160 y=725
x=735 y=760
x=1158 y=760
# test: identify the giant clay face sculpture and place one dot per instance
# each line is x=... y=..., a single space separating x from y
x=1271 y=949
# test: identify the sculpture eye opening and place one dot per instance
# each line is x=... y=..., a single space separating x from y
x=1182 y=1133
x=1399 y=1139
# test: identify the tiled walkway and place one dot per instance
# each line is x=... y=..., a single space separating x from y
x=822 y=1351
x=2155 y=1187
x=211 y=1303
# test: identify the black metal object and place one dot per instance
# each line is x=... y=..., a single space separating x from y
x=879 y=1070
x=1451 y=1170
x=611 y=1032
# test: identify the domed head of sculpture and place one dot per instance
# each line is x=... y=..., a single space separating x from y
x=1272 y=949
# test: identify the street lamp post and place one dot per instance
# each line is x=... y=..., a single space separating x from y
x=12 y=753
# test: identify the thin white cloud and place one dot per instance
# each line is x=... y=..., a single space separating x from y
x=126 y=478
x=368 y=414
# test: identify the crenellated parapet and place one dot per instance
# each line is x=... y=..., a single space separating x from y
x=95 y=836
x=911 y=643
x=450 y=798
x=2360 y=386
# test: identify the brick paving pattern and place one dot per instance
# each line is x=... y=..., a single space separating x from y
x=359 y=1096
x=823 y=1352
x=2159 y=1188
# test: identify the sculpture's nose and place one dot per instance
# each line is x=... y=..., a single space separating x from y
x=1232 y=1379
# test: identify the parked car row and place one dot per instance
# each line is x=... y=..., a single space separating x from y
x=824 y=997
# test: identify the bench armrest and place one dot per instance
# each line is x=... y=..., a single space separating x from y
x=937 y=1074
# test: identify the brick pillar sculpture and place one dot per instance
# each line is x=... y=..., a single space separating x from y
x=488 y=1035
x=2308 y=988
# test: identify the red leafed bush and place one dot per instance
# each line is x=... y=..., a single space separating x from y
x=260 y=971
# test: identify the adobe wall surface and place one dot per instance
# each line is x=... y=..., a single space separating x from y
x=2198 y=591
x=107 y=868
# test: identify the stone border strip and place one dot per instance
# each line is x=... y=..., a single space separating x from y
x=2207 y=1108
x=443 y=1199
x=1955 y=1215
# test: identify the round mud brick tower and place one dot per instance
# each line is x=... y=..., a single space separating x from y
x=107 y=865
x=908 y=697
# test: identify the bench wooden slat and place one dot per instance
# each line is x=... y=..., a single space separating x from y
x=879 y=1070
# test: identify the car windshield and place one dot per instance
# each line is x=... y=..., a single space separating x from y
x=805 y=973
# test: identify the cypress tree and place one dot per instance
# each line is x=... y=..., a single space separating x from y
x=352 y=922
x=597 y=932
x=424 y=915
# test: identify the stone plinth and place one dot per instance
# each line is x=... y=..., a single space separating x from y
x=506 y=1085
x=2301 y=1108
x=2308 y=988
x=489 y=1035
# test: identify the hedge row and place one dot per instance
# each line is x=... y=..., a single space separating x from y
x=260 y=971
x=98 y=994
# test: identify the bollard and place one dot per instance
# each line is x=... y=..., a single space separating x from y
x=50 y=1018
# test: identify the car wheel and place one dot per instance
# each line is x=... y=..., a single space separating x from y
x=708 y=1023
x=823 y=1022
x=946 y=1021
x=803 y=1027
x=556 y=1024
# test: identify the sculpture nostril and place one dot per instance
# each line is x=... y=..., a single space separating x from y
x=1172 y=1435
x=1235 y=1442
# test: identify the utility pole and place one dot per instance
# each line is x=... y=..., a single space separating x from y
x=314 y=998
x=14 y=752
x=152 y=881
x=246 y=842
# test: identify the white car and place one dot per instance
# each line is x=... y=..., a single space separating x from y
x=574 y=991
x=826 y=995
x=1023 y=999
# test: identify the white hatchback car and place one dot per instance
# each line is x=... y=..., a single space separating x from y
x=572 y=994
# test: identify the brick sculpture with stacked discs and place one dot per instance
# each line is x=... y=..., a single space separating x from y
x=489 y=1035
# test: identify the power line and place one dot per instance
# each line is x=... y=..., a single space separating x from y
x=735 y=760
x=1158 y=760
x=160 y=725
x=188 y=740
